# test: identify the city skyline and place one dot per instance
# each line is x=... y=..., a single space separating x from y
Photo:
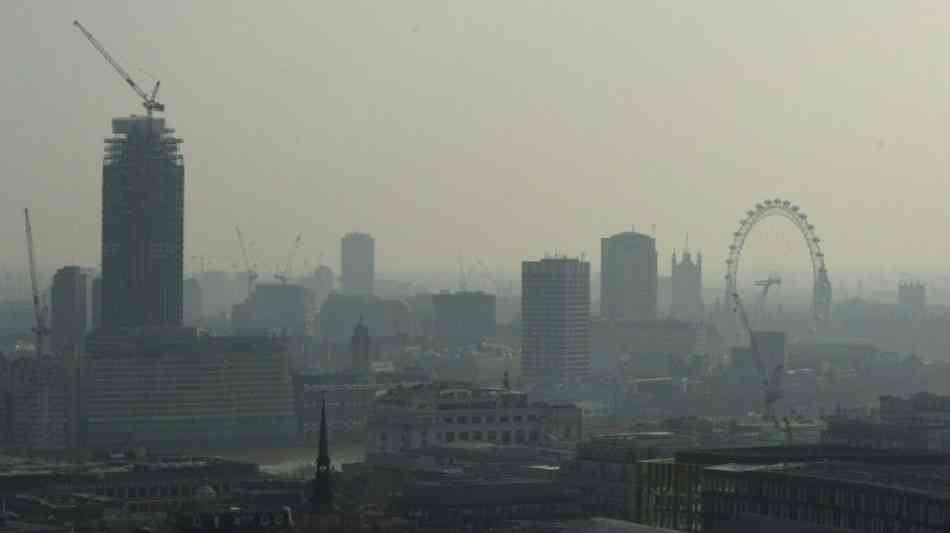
x=381 y=148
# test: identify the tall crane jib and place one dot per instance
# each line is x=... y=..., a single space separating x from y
x=40 y=313
x=148 y=99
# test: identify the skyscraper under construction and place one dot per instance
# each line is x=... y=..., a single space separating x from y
x=143 y=203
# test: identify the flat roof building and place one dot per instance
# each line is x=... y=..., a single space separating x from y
x=176 y=389
x=70 y=317
x=358 y=263
x=628 y=277
x=464 y=317
x=555 y=319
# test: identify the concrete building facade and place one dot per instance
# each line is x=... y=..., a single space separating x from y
x=628 y=277
x=409 y=418
x=70 y=317
x=555 y=319
x=175 y=389
x=143 y=204
x=358 y=263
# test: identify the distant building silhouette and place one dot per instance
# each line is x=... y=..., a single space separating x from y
x=143 y=205
x=687 y=287
x=555 y=319
x=912 y=295
x=358 y=263
x=340 y=313
x=192 y=302
x=628 y=277
x=274 y=308
x=361 y=348
x=464 y=317
x=70 y=317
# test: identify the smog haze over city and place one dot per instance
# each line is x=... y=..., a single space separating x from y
x=537 y=266
x=504 y=129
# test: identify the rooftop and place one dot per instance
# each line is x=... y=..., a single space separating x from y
x=932 y=481
x=807 y=453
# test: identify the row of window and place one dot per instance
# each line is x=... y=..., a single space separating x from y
x=519 y=436
x=489 y=419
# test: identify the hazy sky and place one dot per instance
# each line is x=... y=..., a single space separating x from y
x=504 y=128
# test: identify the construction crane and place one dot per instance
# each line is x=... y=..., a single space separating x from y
x=486 y=273
x=148 y=99
x=286 y=274
x=40 y=328
x=771 y=379
x=251 y=273
x=766 y=284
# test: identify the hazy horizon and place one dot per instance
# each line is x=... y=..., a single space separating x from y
x=504 y=130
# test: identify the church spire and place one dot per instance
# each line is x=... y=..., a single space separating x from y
x=322 y=490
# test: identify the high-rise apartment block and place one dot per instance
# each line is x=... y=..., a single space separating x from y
x=687 y=285
x=358 y=263
x=143 y=203
x=555 y=319
x=70 y=317
x=628 y=277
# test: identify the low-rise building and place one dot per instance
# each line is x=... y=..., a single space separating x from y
x=481 y=504
x=605 y=468
x=406 y=418
x=142 y=485
x=852 y=496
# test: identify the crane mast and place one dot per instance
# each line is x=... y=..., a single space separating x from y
x=251 y=274
x=148 y=100
x=771 y=380
x=286 y=274
x=39 y=313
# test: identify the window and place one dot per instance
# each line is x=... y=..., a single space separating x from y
x=532 y=418
x=476 y=435
x=490 y=419
x=519 y=436
x=506 y=437
x=463 y=419
x=450 y=436
x=492 y=436
x=533 y=436
x=504 y=419
x=476 y=420
x=518 y=418
x=448 y=420
x=463 y=435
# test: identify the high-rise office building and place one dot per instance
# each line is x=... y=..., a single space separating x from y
x=555 y=319
x=358 y=263
x=69 y=310
x=96 y=307
x=143 y=202
x=687 y=287
x=628 y=277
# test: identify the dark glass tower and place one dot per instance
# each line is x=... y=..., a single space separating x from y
x=143 y=204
